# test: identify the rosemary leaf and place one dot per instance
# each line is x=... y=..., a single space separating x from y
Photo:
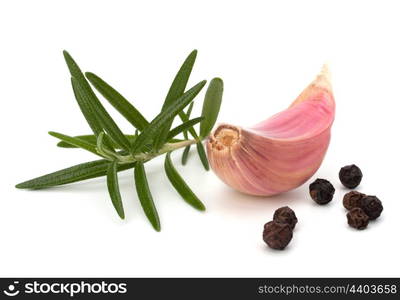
x=199 y=145
x=77 y=74
x=151 y=131
x=202 y=155
x=183 y=127
x=145 y=197
x=184 y=117
x=91 y=139
x=211 y=106
x=88 y=170
x=86 y=109
x=180 y=185
x=88 y=113
x=189 y=110
x=113 y=189
x=180 y=81
x=185 y=155
x=91 y=107
x=176 y=90
x=98 y=112
x=75 y=141
x=130 y=113
x=188 y=113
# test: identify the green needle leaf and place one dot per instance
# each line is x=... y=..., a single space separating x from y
x=188 y=113
x=189 y=110
x=167 y=115
x=185 y=155
x=91 y=139
x=211 y=106
x=185 y=135
x=98 y=112
x=181 y=79
x=86 y=109
x=199 y=145
x=176 y=90
x=183 y=127
x=145 y=197
x=77 y=74
x=75 y=141
x=180 y=185
x=78 y=77
x=88 y=170
x=93 y=110
x=113 y=189
x=122 y=105
x=202 y=155
x=184 y=117
x=88 y=138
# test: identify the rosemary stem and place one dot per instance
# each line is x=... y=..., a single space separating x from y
x=127 y=159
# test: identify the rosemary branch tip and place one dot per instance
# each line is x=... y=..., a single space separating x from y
x=119 y=151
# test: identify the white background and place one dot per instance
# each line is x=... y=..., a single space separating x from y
x=266 y=52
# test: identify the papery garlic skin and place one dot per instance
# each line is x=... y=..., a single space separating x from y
x=278 y=154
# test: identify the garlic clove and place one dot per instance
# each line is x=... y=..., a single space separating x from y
x=280 y=153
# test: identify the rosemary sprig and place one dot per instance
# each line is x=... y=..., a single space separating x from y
x=121 y=151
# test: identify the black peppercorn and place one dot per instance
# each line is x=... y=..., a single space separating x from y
x=372 y=206
x=277 y=235
x=321 y=191
x=285 y=215
x=357 y=218
x=350 y=176
x=352 y=199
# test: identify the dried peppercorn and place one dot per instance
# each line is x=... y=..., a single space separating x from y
x=372 y=206
x=277 y=235
x=352 y=199
x=357 y=218
x=321 y=191
x=285 y=215
x=350 y=176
